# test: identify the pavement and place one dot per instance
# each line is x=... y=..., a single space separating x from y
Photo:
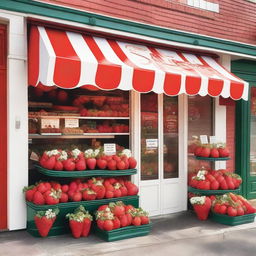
x=178 y=234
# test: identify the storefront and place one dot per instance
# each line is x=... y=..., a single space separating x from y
x=161 y=118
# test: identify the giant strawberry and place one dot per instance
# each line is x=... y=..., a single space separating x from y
x=91 y=163
x=202 y=206
x=44 y=220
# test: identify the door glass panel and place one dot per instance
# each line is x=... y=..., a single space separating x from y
x=253 y=133
x=170 y=137
x=149 y=136
x=200 y=122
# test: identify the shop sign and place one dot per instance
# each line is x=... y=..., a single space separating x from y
x=50 y=123
x=71 y=123
x=110 y=148
x=151 y=143
x=203 y=139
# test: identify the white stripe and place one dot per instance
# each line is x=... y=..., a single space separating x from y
x=192 y=58
x=89 y=63
x=245 y=92
x=47 y=59
x=170 y=54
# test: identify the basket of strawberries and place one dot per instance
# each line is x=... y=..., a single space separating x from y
x=117 y=221
x=231 y=209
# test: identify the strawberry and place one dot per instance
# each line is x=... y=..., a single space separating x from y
x=112 y=165
x=64 y=197
x=109 y=194
x=80 y=164
x=89 y=194
x=223 y=209
x=215 y=185
x=197 y=151
x=116 y=223
x=117 y=208
x=29 y=192
x=103 y=207
x=129 y=208
x=249 y=207
x=120 y=165
x=240 y=211
x=108 y=225
x=58 y=166
x=69 y=164
x=205 y=152
x=224 y=152
x=102 y=164
x=216 y=208
x=214 y=153
x=123 y=221
x=56 y=185
x=98 y=188
x=144 y=220
x=44 y=221
x=232 y=211
x=91 y=163
x=202 y=210
x=116 y=158
x=129 y=219
x=123 y=190
x=38 y=198
x=100 y=223
x=223 y=185
x=41 y=188
x=136 y=221
x=52 y=197
x=77 y=196
x=86 y=227
x=132 y=162
x=65 y=188
x=50 y=163
x=193 y=183
x=76 y=228
x=73 y=186
x=132 y=189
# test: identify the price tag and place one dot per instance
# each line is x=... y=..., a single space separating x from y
x=151 y=143
x=203 y=139
x=71 y=123
x=50 y=123
x=110 y=149
x=213 y=140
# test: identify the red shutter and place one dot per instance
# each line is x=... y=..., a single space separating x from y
x=3 y=128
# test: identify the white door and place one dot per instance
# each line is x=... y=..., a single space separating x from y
x=163 y=154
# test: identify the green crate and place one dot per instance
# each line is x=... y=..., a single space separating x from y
x=123 y=233
x=61 y=226
x=212 y=192
x=232 y=221
x=87 y=173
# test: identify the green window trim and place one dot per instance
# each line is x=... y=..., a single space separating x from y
x=83 y=17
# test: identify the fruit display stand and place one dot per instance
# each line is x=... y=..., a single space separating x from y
x=232 y=221
x=123 y=233
x=87 y=173
x=211 y=192
x=61 y=224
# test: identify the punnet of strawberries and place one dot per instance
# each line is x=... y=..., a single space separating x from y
x=211 y=150
x=90 y=159
x=215 y=180
x=79 y=190
x=118 y=215
x=232 y=205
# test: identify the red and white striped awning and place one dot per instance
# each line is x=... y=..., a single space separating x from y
x=70 y=60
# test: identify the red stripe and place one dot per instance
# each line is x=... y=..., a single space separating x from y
x=215 y=87
x=108 y=75
x=3 y=127
x=33 y=56
x=143 y=79
x=172 y=81
x=236 y=90
x=67 y=66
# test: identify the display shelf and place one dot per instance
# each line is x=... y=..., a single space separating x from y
x=123 y=233
x=212 y=158
x=78 y=136
x=232 y=221
x=61 y=226
x=83 y=117
x=87 y=173
x=212 y=192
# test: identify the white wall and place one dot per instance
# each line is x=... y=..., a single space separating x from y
x=17 y=112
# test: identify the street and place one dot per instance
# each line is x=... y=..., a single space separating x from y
x=175 y=234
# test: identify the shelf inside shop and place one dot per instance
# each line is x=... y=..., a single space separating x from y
x=82 y=117
x=86 y=173
x=77 y=136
